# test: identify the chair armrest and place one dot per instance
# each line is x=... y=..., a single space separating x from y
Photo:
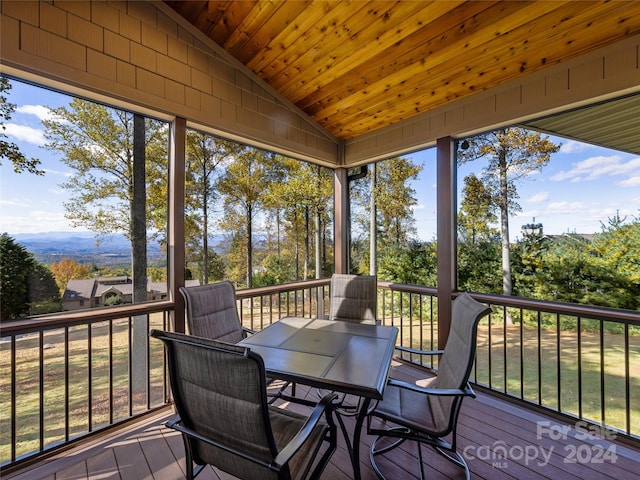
x=419 y=352
x=303 y=434
x=247 y=331
x=445 y=392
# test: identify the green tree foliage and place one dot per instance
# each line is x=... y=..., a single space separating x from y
x=478 y=263
x=243 y=187
x=299 y=195
x=205 y=153
x=8 y=150
x=97 y=144
x=477 y=212
x=390 y=197
x=414 y=264
x=512 y=154
x=604 y=271
x=394 y=199
x=43 y=295
x=26 y=287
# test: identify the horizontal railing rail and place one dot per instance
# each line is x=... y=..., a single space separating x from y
x=67 y=376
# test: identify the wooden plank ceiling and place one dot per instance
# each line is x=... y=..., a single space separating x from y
x=356 y=66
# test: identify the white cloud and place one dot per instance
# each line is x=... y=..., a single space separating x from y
x=13 y=203
x=600 y=166
x=36 y=221
x=539 y=197
x=564 y=208
x=25 y=133
x=40 y=111
x=631 y=181
x=571 y=146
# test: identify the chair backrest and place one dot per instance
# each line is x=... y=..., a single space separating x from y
x=354 y=298
x=456 y=362
x=212 y=312
x=220 y=392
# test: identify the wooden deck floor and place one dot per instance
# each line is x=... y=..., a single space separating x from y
x=534 y=450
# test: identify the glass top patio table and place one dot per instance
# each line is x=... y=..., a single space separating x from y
x=334 y=355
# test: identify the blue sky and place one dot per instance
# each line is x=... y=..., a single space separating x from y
x=580 y=188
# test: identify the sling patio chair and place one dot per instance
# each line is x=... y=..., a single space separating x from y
x=429 y=413
x=353 y=298
x=225 y=419
x=212 y=313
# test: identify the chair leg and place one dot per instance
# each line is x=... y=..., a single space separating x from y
x=451 y=455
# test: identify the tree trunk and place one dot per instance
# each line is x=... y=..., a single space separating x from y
x=504 y=228
x=138 y=213
x=504 y=232
x=249 y=246
x=307 y=250
x=318 y=243
x=139 y=260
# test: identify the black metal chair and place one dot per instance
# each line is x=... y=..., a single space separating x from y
x=225 y=419
x=429 y=413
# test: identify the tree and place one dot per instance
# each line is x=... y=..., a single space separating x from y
x=394 y=199
x=110 y=163
x=476 y=213
x=413 y=264
x=243 y=185
x=302 y=193
x=43 y=296
x=10 y=151
x=513 y=154
x=15 y=264
x=25 y=285
x=68 y=269
x=205 y=153
x=385 y=198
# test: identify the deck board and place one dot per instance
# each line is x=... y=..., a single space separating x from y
x=151 y=451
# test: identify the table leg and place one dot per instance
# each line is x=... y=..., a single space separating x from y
x=355 y=453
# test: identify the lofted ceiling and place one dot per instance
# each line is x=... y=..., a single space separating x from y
x=356 y=66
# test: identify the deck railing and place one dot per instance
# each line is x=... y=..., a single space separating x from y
x=578 y=361
x=71 y=375
x=67 y=376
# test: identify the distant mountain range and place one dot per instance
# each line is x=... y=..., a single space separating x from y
x=82 y=247
x=48 y=247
